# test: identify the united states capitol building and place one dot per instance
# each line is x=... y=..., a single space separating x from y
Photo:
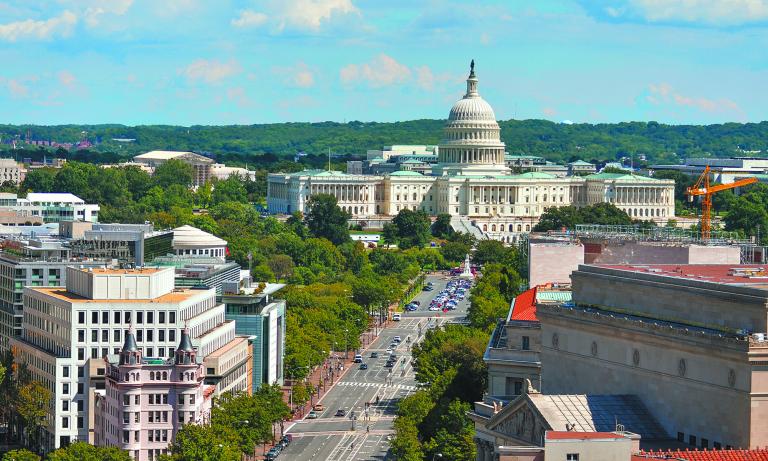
x=473 y=182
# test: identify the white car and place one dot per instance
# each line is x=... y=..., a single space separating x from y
x=397 y=339
x=389 y=350
x=434 y=308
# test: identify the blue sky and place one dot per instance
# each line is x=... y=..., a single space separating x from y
x=241 y=62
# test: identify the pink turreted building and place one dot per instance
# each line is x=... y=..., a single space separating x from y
x=147 y=400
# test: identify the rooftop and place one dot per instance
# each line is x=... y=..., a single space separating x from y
x=174 y=297
x=621 y=177
x=188 y=235
x=704 y=455
x=524 y=304
x=53 y=197
x=726 y=274
x=116 y=271
x=227 y=347
x=570 y=435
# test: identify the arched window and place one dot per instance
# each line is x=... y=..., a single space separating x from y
x=485 y=227
x=527 y=227
x=493 y=227
x=519 y=227
x=165 y=375
x=511 y=228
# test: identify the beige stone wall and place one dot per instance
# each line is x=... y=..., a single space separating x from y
x=553 y=262
x=599 y=252
x=600 y=449
x=685 y=381
x=698 y=302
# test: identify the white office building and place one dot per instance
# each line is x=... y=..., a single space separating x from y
x=67 y=332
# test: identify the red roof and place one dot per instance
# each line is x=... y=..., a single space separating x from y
x=524 y=307
x=705 y=455
x=570 y=435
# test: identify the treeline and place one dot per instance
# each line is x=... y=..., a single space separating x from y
x=555 y=141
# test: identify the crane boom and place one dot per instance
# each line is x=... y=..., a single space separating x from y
x=703 y=189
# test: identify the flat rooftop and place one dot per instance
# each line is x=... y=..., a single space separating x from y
x=570 y=435
x=753 y=275
x=176 y=296
x=117 y=271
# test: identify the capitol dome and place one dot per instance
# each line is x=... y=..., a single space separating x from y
x=473 y=108
x=472 y=142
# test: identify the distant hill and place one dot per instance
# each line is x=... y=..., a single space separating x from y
x=554 y=141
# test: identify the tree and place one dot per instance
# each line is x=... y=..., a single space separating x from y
x=454 y=252
x=40 y=180
x=231 y=189
x=245 y=416
x=442 y=226
x=205 y=443
x=412 y=228
x=281 y=266
x=32 y=406
x=20 y=455
x=325 y=219
x=489 y=251
x=174 y=171
x=83 y=451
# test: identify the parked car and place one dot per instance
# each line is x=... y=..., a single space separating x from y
x=374 y=355
x=389 y=364
x=358 y=358
x=312 y=415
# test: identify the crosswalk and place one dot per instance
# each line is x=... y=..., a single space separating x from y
x=405 y=387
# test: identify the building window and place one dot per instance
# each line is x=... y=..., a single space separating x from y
x=692 y=440
x=717 y=446
x=116 y=317
x=150 y=337
x=81 y=318
x=65 y=372
x=704 y=443
x=81 y=336
x=526 y=343
x=105 y=336
x=161 y=317
x=94 y=352
x=181 y=399
x=95 y=317
x=161 y=336
x=150 y=318
x=65 y=388
x=65 y=422
x=171 y=335
x=80 y=422
x=105 y=317
x=126 y=399
x=172 y=317
x=80 y=405
x=94 y=336
x=127 y=317
x=116 y=335
x=65 y=405
x=572 y=457
x=139 y=317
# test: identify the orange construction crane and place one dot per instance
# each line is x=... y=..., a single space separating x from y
x=703 y=189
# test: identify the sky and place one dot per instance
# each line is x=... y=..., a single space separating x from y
x=222 y=62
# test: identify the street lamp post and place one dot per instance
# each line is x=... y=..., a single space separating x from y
x=346 y=343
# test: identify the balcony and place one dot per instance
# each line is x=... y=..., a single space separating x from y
x=512 y=355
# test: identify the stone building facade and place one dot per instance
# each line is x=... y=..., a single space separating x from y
x=472 y=182
x=147 y=400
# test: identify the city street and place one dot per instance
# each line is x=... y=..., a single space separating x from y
x=337 y=438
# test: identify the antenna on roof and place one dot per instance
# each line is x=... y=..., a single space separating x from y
x=329 y=159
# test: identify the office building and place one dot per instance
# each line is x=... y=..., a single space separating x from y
x=51 y=207
x=67 y=331
x=260 y=317
x=201 y=165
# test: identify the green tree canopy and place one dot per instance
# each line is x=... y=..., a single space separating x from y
x=325 y=219
x=174 y=171
x=83 y=451
x=412 y=228
x=442 y=226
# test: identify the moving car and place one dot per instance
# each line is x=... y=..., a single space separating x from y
x=396 y=317
x=374 y=355
x=396 y=339
x=341 y=412
x=389 y=364
x=312 y=415
x=363 y=366
x=318 y=407
x=358 y=358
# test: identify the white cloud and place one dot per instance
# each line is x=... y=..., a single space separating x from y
x=212 y=71
x=311 y=14
x=381 y=71
x=425 y=78
x=67 y=79
x=303 y=76
x=665 y=94
x=93 y=14
x=61 y=26
x=15 y=88
x=712 y=12
x=249 y=18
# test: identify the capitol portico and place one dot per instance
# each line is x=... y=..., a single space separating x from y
x=472 y=183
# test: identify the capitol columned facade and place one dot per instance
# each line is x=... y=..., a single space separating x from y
x=472 y=183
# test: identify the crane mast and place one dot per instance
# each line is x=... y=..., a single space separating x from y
x=705 y=190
